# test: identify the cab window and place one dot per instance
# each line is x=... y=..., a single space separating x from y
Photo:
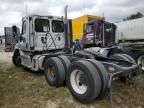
x=57 y=26
x=24 y=27
x=90 y=28
x=42 y=25
x=108 y=27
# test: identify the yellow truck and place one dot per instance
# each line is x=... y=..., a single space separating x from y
x=78 y=23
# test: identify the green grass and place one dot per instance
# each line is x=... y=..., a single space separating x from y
x=20 y=88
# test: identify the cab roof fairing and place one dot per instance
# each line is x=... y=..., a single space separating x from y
x=40 y=16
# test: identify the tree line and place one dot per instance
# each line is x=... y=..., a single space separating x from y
x=134 y=16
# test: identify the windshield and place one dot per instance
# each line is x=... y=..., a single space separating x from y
x=108 y=27
x=57 y=26
x=42 y=25
x=90 y=28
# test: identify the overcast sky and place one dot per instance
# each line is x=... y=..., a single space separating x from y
x=11 y=11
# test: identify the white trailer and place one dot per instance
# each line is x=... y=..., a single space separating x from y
x=131 y=30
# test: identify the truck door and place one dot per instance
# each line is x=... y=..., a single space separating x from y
x=57 y=33
x=24 y=41
x=89 y=35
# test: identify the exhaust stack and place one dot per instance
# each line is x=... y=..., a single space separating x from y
x=67 y=39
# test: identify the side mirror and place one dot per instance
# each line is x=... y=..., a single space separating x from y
x=15 y=32
x=22 y=39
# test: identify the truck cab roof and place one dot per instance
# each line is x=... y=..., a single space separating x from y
x=42 y=16
x=97 y=20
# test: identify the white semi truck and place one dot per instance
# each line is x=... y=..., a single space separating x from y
x=45 y=44
x=130 y=34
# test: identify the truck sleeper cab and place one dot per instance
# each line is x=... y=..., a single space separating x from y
x=99 y=33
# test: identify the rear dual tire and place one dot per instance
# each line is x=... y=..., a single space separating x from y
x=103 y=75
x=85 y=80
x=55 y=70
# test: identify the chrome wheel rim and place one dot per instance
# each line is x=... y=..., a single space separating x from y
x=78 y=81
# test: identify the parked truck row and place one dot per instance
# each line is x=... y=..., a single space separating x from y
x=92 y=31
x=46 y=44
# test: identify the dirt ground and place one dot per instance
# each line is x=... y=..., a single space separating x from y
x=21 y=88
